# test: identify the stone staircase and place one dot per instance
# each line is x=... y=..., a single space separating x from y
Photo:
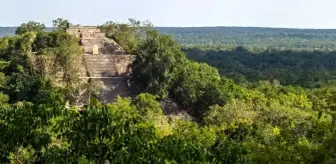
x=105 y=61
x=100 y=66
x=107 y=65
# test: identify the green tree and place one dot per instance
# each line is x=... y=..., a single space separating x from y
x=113 y=132
x=196 y=87
x=147 y=105
x=61 y=24
x=128 y=35
x=24 y=127
x=158 y=64
x=30 y=27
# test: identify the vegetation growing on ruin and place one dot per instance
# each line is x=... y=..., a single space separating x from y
x=127 y=35
x=254 y=118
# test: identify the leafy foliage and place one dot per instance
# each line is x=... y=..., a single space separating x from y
x=253 y=118
x=158 y=64
x=253 y=38
x=30 y=27
x=301 y=68
x=128 y=35
x=61 y=24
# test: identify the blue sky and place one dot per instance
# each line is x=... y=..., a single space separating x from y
x=265 y=13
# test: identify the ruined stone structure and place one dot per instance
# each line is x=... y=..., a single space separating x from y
x=105 y=62
x=91 y=37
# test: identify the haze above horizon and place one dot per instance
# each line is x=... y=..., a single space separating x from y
x=176 y=13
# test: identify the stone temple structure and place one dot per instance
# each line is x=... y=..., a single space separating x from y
x=105 y=62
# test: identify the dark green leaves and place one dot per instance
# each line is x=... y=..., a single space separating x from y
x=30 y=27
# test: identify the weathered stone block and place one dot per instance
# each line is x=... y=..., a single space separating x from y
x=95 y=50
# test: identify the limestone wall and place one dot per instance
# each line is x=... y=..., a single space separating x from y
x=85 y=31
x=105 y=46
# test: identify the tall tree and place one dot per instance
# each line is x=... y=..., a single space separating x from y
x=30 y=27
x=61 y=24
x=158 y=63
x=128 y=35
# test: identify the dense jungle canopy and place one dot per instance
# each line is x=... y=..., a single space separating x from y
x=249 y=100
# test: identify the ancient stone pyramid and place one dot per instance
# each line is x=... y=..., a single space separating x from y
x=105 y=62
